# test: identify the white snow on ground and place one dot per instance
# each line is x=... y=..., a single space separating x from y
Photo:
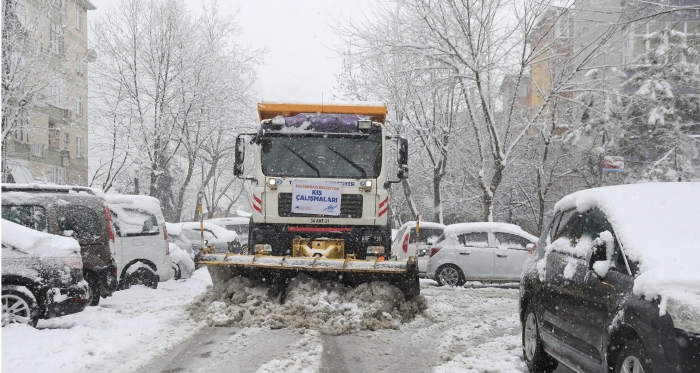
x=476 y=329
x=119 y=335
x=303 y=357
x=480 y=328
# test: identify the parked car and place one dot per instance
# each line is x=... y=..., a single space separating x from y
x=404 y=243
x=236 y=224
x=613 y=284
x=479 y=252
x=224 y=241
x=141 y=241
x=183 y=264
x=42 y=275
x=77 y=212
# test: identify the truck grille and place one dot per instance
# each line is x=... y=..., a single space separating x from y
x=350 y=206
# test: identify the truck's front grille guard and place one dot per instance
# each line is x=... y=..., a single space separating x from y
x=350 y=206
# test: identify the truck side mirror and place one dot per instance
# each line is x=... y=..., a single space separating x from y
x=403 y=152
x=240 y=157
x=403 y=159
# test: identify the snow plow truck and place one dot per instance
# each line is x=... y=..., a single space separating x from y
x=320 y=201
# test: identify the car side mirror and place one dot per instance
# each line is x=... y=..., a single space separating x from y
x=597 y=253
x=530 y=246
x=67 y=233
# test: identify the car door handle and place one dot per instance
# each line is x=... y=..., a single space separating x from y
x=502 y=255
x=464 y=253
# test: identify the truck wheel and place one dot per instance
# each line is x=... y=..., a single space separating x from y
x=94 y=290
x=18 y=307
x=538 y=361
x=633 y=358
x=450 y=275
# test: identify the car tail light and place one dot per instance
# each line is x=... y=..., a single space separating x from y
x=74 y=262
x=534 y=246
x=165 y=236
x=404 y=246
x=109 y=220
x=434 y=250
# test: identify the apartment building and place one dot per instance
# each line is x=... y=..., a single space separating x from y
x=49 y=137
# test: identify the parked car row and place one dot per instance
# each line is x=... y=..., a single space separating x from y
x=121 y=240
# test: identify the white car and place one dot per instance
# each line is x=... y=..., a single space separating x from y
x=404 y=243
x=479 y=252
x=236 y=224
x=224 y=241
x=180 y=246
x=141 y=245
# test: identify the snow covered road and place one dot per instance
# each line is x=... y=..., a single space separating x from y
x=143 y=330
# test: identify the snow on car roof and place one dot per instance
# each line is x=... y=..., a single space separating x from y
x=220 y=232
x=658 y=225
x=136 y=202
x=424 y=224
x=173 y=229
x=233 y=220
x=37 y=243
x=454 y=229
x=48 y=188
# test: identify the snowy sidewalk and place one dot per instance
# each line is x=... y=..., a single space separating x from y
x=120 y=335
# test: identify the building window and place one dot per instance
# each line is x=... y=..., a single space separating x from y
x=564 y=27
x=21 y=12
x=78 y=105
x=56 y=40
x=54 y=137
x=79 y=19
x=57 y=175
x=79 y=147
x=21 y=134
x=79 y=64
x=66 y=137
x=57 y=88
x=38 y=150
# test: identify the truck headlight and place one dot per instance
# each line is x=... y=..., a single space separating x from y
x=375 y=250
x=364 y=124
x=272 y=183
x=366 y=185
x=685 y=315
x=263 y=248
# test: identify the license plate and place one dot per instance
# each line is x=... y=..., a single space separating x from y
x=320 y=221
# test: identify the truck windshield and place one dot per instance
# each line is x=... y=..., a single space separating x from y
x=322 y=156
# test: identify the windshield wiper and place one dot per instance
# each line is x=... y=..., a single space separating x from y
x=352 y=163
x=318 y=173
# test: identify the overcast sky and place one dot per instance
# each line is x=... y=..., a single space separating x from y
x=300 y=64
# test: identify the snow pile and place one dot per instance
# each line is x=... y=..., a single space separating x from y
x=37 y=243
x=502 y=354
x=329 y=307
x=657 y=226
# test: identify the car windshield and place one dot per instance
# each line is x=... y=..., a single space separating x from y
x=322 y=155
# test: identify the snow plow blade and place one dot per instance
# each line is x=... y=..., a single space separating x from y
x=277 y=270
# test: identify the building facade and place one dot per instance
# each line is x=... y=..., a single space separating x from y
x=48 y=140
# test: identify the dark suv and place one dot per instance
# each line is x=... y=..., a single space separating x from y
x=42 y=276
x=610 y=285
x=74 y=212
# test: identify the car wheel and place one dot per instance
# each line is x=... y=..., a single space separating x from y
x=538 y=361
x=178 y=273
x=450 y=275
x=93 y=289
x=143 y=276
x=633 y=358
x=18 y=308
